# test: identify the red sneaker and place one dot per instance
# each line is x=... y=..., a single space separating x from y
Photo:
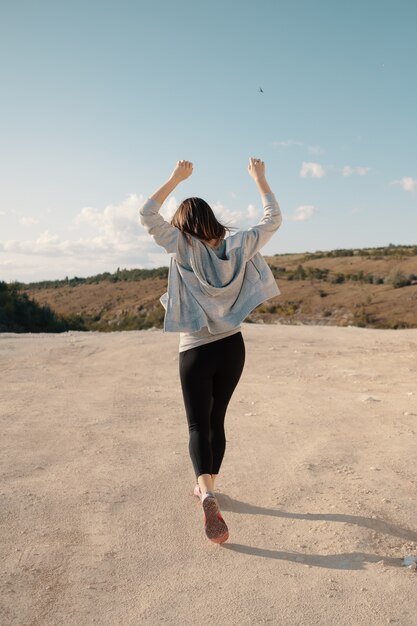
x=214 y=524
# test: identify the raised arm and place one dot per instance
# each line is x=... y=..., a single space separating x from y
x=256 y=169
x=163 y=233
x=182 y=170
x=258 y=236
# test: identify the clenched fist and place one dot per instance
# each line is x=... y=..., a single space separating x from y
x=256 y=168
x=183 y=170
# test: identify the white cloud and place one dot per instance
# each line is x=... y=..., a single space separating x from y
x=362 y=171
x=252 y=211
x=407 y=183
x=117 y=231
x=285 y=143
x=11 y=265
x=238 y=219
x=28 y=221
x=288 y=142
x=102 y=240
x=303 y=213
x=169 y=208
x=315 y=170
x=347 y=170
x=117 y=225
x=27 y=267
x=315 y=149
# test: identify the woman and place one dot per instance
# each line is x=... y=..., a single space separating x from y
x=213 y=283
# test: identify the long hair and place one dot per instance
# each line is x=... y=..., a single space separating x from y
x=195 y=217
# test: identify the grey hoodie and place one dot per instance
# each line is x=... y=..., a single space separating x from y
x=207 y=290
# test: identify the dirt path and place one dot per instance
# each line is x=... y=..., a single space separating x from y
x=318 y=484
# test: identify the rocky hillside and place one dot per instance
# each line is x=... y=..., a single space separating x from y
x=374 y=287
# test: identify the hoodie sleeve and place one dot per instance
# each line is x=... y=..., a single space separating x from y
x=256 y=237
x=163 y=233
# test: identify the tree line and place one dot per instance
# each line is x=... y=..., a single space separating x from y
x=396 y=277
x=21 y=314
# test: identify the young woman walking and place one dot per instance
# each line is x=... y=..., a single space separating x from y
x=213 y=283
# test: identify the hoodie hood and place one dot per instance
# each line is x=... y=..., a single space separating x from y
x=217 y=270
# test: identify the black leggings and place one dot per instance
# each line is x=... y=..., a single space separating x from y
x=209 y=374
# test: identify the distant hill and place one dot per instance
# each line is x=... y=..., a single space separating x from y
x=372 y=287
x=21 y=314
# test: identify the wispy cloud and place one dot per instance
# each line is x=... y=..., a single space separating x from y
x=288 y=142
x=314 y=170
x=348 y=170
x=252 y=212
x=238 y=219
x=285 y=143
x=303 y=213
x=102 y=239
x=117 y=230
x=407 y=183
x=28 y=221
x=315 y=149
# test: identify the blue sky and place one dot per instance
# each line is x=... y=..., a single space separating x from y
x=100 y=99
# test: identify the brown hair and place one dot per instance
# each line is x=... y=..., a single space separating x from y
x=195 y=217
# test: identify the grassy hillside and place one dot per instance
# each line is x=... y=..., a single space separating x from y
x=21 y=314
x=375 y=287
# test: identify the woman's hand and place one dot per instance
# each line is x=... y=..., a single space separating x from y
x=256 y=169
x=183 y=170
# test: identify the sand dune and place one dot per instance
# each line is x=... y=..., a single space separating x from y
x=318 y=485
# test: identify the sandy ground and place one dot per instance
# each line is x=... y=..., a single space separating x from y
x=318 y=484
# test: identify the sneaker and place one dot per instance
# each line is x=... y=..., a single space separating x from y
x=214 y=524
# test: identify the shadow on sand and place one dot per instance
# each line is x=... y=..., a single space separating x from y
x=351 y=560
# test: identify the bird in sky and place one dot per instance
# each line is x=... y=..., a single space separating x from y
x=261 y=90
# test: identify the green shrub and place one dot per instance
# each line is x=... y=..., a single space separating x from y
x=397 y=279
x=21 y=314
